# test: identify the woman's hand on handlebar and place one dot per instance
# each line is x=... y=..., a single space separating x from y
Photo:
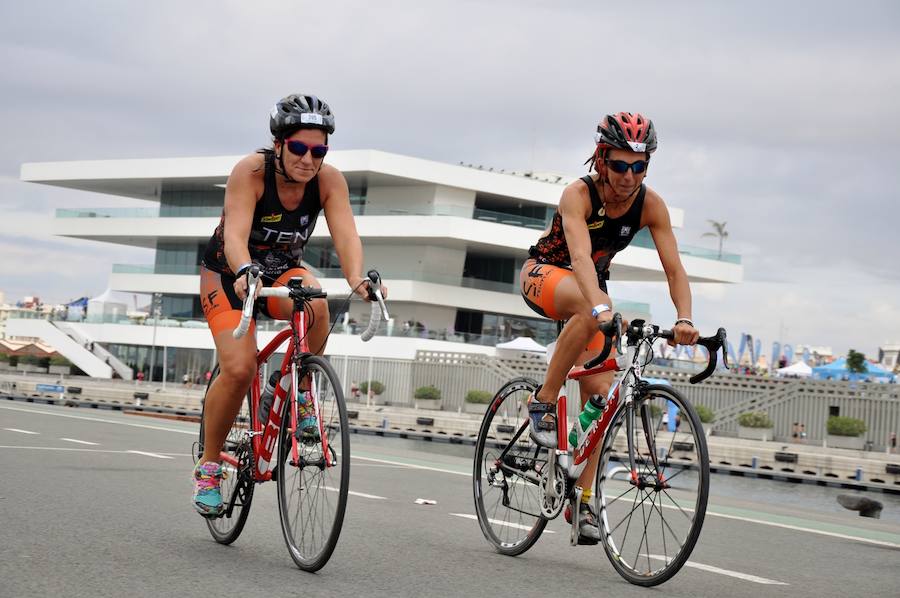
x=685 y=334
x=360 y=286
x=241 y=283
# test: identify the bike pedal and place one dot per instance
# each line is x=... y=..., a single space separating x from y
x=585 y=541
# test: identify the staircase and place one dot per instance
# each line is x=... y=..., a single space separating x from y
x=762 y=402
x=100 y=352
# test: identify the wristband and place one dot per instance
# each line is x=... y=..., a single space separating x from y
x=599 y=309
x=685 y=320
x=243 y=269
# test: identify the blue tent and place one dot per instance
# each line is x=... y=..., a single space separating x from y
x=837 y=370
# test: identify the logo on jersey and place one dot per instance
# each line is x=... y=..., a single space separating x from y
x=270 y=218
x=626 y=230
x=596 y=225
x=304 y=220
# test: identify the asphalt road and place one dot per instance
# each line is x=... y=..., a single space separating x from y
x=96 y=503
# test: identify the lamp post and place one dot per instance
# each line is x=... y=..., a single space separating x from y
x=156 y=310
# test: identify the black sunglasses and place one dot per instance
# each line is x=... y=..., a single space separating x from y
x=621 y=166
x=299 y=148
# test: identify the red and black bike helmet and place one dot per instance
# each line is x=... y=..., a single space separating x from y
x=625 y=130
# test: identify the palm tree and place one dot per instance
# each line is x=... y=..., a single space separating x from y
x=721 y=233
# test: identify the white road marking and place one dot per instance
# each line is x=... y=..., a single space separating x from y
x=21 y=431
x=362 y=494
x=411 y=466
x=498 y=522
x=105 y=421
x=82 y=450
x=146 y=454
x=729 y=573
x=79 y=441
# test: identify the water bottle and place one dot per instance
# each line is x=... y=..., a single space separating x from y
x=593 y=409
x=267 y=397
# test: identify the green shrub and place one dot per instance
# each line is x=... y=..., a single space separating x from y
x=755 y=419
x=427 y=393
x=706 y=414
x=377 y=387
x=845 y=426
x=4 y=357
x=59 y=360
x=13 y=360
x=480 y=397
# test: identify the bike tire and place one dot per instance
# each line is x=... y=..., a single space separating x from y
x=511 y=530
x=237 y=488
x=312 y=526
x=674 y=505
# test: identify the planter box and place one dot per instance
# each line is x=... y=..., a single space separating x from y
x=429 y=404
x=846 y=442
x=754 y=433
x=476 y=408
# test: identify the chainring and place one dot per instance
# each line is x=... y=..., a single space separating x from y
x=552 y=506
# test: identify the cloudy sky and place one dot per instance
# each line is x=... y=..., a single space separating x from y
x=779 y=118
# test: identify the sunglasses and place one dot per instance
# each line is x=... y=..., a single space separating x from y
x=621 y=167
x=299 y=148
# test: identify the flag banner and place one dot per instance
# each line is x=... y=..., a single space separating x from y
x=789 y=354
x=807 y=358
x=757 y=350
x=776 y=353
x=743 y=347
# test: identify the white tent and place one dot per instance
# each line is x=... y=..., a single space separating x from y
x=797 y=370
x=522 y=343
x=114 y=305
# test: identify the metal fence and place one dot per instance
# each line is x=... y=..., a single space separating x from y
x=807 y=402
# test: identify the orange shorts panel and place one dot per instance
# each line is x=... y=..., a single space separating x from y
x=538 y=285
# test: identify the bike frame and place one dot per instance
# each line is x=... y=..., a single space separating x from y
x=620 y=394
x=264 y=435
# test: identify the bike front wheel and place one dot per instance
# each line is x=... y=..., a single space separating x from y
x=507 y=470
x=651 y=517
x=237 y=485
x=313 y=480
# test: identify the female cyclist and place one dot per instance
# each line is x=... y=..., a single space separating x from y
x=272 y=201
x=565 y=277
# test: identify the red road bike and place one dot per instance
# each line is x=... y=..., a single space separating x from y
x=652 y=481
x=312 y=477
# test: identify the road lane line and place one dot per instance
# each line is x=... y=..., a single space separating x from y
x=97 y=419
x=146 y=454
x=412 y=465
x=498 y=522
x=362 y=494
x=728 y=572
x=83 y=450
x=21 y=431
x=79 y=441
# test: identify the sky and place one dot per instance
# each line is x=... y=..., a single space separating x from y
x=778 y=118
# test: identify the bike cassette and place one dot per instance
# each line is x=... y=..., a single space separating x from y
x=552 y=492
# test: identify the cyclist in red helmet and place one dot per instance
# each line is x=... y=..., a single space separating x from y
x=565 y=277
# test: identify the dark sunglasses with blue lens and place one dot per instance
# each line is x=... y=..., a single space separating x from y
x=621 y=166
x=299 y=148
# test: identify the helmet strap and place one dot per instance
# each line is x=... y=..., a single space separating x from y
x=283 y=172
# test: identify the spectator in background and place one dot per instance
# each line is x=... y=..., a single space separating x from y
x=140 y=377
x=803 y=433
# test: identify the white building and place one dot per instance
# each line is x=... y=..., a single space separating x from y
x=449 y=240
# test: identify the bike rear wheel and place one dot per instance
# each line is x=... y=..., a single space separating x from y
x=651 y=518
x=237 y=486
x=312 y=492
x=507 y=465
